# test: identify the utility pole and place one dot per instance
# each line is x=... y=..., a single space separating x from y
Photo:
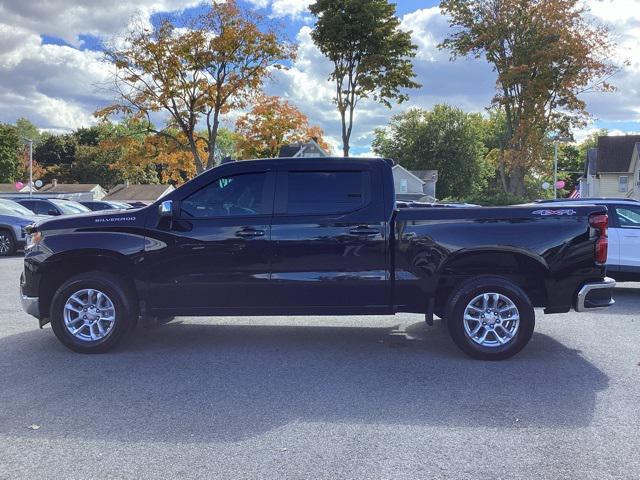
x=555 y=168
x=30 y=143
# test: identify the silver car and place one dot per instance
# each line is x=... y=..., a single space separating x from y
x=13 y=220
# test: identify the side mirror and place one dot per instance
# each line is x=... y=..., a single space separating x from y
x=165 y=210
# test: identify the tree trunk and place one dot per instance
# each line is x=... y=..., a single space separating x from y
x=196 y=156
x=213 y=137
x=345 y=134
x=516 y=181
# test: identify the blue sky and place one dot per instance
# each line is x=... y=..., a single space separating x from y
x=51 y=69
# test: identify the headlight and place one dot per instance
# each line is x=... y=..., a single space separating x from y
x=33 y=239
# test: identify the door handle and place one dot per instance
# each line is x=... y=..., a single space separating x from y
x=250 y=233
x=364 y=231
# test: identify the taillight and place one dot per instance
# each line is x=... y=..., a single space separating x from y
x=600 y=222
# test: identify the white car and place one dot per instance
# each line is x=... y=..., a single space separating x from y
x=624 y=234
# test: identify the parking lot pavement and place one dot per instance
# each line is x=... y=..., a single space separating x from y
x=321 y=398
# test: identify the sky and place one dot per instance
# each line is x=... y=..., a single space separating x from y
x=51 y=64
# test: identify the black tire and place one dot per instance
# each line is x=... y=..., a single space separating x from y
x=7 y=243
x=469 y=290
x=116 y=290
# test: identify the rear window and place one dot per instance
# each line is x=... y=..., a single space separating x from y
x=330 y=192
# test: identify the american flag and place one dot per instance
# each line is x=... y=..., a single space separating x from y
x=575 y=193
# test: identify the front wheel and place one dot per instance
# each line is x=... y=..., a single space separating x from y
x=490 y=318
x=7 y=244
x=91 y=312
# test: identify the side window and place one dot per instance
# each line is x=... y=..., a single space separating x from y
x=623 y=184
x=317 y=193
x=233 y=196
x=29 y=204
x=404 y=185
x=628 y=217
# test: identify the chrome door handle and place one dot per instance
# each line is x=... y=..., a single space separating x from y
x=250 y=233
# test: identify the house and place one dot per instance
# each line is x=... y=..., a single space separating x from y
x=415 y=185
x=80 y=192
x=146 y=194
x=310 y=149
x=613 y=168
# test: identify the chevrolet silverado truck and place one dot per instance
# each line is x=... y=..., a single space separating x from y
x=314 y=237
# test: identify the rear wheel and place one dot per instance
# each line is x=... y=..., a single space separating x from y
x=91 y=312
x=490 y=318
x=7 y=244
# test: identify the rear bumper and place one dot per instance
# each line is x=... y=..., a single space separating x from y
x=595 y=295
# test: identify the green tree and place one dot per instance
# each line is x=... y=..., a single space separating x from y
x=26 y=129
x=371 y=55
x=55 y=150
x=10 y=147
x=444 y=139
x=545 y=53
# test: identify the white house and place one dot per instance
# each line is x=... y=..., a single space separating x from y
x=613 y=169
x=415 y=185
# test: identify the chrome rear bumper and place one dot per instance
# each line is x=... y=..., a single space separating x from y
x=595 y=295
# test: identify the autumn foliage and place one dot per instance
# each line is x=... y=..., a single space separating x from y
x=272 y=123
x=546 y=53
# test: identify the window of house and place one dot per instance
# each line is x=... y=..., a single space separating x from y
x=317 y=193
x=404 y=185
x=623 y=184
x=234 y=196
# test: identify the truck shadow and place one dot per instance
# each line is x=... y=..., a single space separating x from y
x=194 y=382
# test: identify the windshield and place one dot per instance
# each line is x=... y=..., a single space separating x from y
x=10 y=207
x=69 y=208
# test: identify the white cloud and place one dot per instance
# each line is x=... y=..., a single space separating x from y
x=68 y=20
x=284 y=8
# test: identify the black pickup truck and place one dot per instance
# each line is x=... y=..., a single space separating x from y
x=314 y=237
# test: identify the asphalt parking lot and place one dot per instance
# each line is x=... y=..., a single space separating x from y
x=321 y=398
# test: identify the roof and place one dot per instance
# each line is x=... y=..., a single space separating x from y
x=615 y=152
x=592 y=162
x=10 y=188
x=142 y=193
x=426 y=175
x=69 y=188
x=289 y=151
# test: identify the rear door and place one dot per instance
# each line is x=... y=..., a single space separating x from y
x=628 y=232
x=329 y=239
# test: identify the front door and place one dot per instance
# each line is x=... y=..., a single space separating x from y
x=329 y=241
x=215 y=255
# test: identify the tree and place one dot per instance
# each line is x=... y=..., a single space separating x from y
x=444 y=139
x=371 y=55
x=272 y=123
x=546 y=53
x=197 y=74
x=55 y=150
x=10 y=146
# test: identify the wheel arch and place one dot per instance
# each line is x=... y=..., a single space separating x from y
x=527 y=270
x=62 y=266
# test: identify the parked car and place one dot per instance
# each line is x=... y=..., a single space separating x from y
x=623 y=262
x=53 y=206
x=97 y=206
x=14 y=218
x=314 y=237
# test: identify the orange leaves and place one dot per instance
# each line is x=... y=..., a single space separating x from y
x=195 y=74
x=272 y=123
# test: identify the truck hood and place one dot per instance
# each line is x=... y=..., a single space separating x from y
x=93 y=220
